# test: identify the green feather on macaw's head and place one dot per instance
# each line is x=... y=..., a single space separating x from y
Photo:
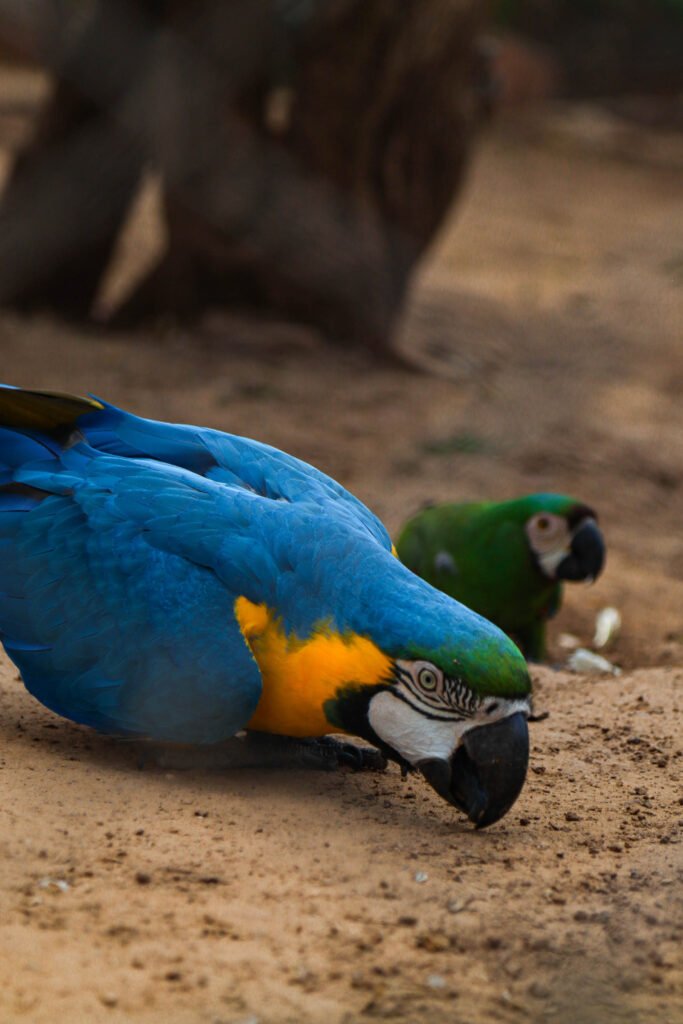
x=491 y=666
x=507 y=560
x=411 y=621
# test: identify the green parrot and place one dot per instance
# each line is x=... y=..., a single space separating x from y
x=506 y=560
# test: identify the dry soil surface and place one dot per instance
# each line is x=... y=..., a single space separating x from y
x=551 y=314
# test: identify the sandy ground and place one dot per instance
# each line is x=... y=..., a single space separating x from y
x=551 y=313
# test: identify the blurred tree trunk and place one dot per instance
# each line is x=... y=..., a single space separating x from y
x=63 y=206
x=309 y=150
x=70 y=187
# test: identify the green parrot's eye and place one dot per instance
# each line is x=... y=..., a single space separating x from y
x=428 y=679
x=546 y=529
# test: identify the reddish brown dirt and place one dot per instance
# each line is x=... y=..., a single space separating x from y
x=551 y=316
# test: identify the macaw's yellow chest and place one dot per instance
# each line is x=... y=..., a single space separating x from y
x=301 y=675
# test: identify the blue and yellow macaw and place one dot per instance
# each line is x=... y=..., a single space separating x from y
x=181 y=584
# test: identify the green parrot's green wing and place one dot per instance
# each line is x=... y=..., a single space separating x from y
x=478 y=555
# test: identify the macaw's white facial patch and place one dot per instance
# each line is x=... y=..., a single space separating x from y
x=415 y=736
x=550 y=560
x=550 y=539
x=409 y=732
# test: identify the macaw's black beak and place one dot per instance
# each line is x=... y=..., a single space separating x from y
x=486 y=773
x=586 y=553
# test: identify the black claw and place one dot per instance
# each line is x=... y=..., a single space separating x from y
x=368 y=759
x=317 y=754
x=349 y=755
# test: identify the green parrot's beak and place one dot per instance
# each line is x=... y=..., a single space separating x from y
x=486 y=773
x=586 y=555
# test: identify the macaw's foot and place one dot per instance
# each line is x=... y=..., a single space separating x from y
x=262 y=750
x=324 y=754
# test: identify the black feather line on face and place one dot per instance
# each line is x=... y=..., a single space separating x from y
x=456 y=700
x=348 y=709
x=420 y=708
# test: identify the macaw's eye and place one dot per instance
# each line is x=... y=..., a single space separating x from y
x=546 y=529
x=428 y=678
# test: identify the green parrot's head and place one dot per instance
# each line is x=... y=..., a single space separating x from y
x=452 y=700
x=563 y=536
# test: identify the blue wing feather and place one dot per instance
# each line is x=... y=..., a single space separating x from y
x=228 y=459
x=111 y=623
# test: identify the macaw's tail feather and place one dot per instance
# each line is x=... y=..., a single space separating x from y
x=43 y=412
x=35 y=429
